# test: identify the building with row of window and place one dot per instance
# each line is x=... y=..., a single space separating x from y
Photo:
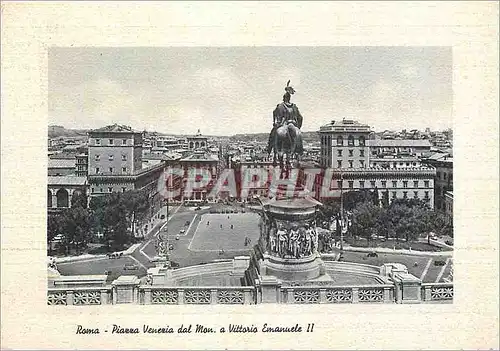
x=358 y=161
x=443 y=163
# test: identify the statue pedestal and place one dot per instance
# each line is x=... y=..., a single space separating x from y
x=293 y=269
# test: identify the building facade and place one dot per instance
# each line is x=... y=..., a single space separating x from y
x=197 y=141
x=344 y=144
x=443 y=162
x=392 y=167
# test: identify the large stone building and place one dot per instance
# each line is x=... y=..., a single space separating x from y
x=115 y=163
x=62 y=189
x=344 y=144
x=357 y=161
x=443 y=162
x=198 y=162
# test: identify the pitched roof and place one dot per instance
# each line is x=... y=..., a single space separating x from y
x=66 y=180
x=115 y=128
x=61 y=163
x=399 y=143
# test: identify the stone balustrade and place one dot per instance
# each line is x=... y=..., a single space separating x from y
x=377 y=293
x=437 y=292
x=273 y=292
x=393 y=284
x=238 y=295
x=80 y=296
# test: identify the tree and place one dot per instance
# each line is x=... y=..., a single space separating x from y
x=54 y=228
x=76 y=227
x=408 y=218
x=365 y=219
x=79 y=199
x=115 y=214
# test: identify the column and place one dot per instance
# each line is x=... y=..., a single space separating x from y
x=355 y=295
x=147 y=295
x=322 y=295
x=54 y=199
x=70 y=298
x=70 y=197
x=213 y=296
x=180 y=297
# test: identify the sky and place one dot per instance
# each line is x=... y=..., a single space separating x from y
x=233 y=90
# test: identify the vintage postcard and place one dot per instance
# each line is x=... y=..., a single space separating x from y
x=210 y=184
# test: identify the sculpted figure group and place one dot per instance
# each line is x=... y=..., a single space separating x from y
x=293 y=241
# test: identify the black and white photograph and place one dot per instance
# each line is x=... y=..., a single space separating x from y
x=250 y=175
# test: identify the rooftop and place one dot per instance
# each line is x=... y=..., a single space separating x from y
x=61 y=163
x=114 y=128
x=399 y=143
x=345 y=125
x=66 y=180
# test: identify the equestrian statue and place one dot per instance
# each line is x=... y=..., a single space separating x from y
x=285 y=140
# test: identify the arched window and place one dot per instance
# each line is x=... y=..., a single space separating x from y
x=202 y=144
x=62 y=198
x=350 y=140
x=340 y=140
x=362 y=141
x=49 y=198
x=196 y=145
x=191 y=145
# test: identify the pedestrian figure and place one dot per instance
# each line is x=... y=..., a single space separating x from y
x=231 y=226
x=221 y=226
x=227 y=217
x=208 y=222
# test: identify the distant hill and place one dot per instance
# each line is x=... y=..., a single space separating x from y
x=262 y=137
x=58 y=131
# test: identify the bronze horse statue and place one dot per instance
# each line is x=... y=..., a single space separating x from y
x=285 y=139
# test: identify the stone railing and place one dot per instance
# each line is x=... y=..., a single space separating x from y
x=168 y=295
x=437 y=292
x=263 y=292
x=378 y=293
x=80 y=296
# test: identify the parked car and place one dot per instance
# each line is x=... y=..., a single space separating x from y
x=174 y=264
x=182 y=231
x=130 y=267
x=372 y=254
x=162 y=217
x=107 y=272
x=177 y=237
x=197 y=208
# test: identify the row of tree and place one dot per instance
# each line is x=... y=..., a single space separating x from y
x=400 y=219
x=113 y=215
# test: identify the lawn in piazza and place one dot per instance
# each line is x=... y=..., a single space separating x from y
x=201 y=243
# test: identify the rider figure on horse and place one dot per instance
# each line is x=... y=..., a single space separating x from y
x=286 y=113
